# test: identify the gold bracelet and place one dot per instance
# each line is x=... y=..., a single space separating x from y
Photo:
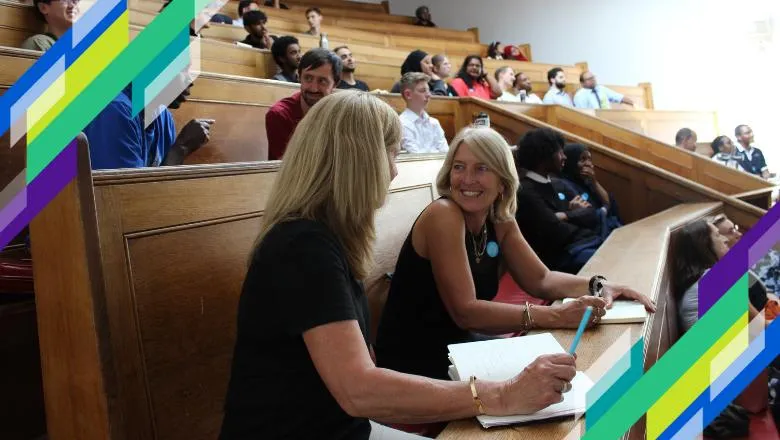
x=529 y=319
x=477 y=400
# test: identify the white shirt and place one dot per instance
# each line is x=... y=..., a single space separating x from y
x=560 y=97
x=529 y=99
x=422 y=134
x=727 y=160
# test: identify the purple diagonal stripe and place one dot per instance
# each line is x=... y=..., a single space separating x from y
x=734 y=265
x=13 y=208
x=764 y=243
x=42 y=190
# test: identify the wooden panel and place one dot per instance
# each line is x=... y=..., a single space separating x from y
x=682 y=163
x=663 y=125
x=186 y=322
x=73 y=340
x=238 y=134
x=13 y=37
x=653 y=189
x=394 y=223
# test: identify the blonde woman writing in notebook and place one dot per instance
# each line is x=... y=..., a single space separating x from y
x=302 y=367
x=449 y=268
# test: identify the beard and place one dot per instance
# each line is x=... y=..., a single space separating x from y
x=311 y=98
x=560 y=86
x=347 y=69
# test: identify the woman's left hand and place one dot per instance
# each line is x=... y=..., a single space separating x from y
x=612 y=291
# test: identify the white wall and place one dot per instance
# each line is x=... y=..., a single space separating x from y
x=697 y=53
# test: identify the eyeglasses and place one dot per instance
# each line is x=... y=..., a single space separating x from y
x=67 y=2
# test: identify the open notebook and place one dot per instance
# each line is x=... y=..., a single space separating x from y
x=622 y=312
x=501 y=359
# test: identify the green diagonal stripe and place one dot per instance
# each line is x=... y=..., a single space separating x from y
x=139 y=53
x=679 y=359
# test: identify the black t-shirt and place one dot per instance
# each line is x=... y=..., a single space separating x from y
x=416 y=327
x=257 y=43
x=548 y=236
x=298 y=279
x=360 y=85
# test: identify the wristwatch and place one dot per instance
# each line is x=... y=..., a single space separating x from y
x=596 y=285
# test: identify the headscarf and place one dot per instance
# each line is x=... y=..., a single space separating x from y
x=508 y=54
x=412 y=62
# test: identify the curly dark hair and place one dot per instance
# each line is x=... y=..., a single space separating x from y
x=536 y=147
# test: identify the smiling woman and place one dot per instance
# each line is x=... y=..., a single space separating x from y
x=450 y=265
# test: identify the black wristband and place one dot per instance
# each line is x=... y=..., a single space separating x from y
x=595 y=285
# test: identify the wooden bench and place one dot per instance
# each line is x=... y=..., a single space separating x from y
x=681 y=162
x=137 y=290
x=648 y=270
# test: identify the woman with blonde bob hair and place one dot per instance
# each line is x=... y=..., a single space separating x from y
x=449 y=268
x=302 y=366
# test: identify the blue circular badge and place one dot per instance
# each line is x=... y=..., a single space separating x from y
x=585 y=196
x=561 y=196
x=492 y=249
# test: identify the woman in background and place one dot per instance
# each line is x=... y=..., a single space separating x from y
x=581 y=184
x=420 y=61
x=472 y=80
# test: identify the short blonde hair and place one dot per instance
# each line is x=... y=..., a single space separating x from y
x=491 y=149
x=411 y=79
x=336 y=170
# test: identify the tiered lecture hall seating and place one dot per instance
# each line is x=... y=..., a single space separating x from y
x=143 y=349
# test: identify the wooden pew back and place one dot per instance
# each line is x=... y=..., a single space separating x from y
x=641 y=189
x=683 y=163
x=143 y=303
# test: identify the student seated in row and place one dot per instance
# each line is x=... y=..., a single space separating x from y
x=349 y=65
x=319 y=72
x=302 y=365
x=420 y=61
x=521 y=91
x=422 y=133
x=287 y=55
x=725 y=153
x=245 y=6
x=258 y=35
x=117 y=139
x=686 y=139
x=473 y=80
x=450 y=265
x=557 y=235
x=59 y=16
x=442 y=68
x=695 y=250
x=579 y=180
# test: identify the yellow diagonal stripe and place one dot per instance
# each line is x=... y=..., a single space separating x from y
x=80 y=74
x=691 y=384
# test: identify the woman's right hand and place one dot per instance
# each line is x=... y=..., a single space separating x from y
x=569 y=314
x=540 y=385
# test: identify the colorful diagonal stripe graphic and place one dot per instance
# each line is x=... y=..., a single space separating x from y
x=90 y=65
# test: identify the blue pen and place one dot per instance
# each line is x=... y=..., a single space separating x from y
x=583 y=323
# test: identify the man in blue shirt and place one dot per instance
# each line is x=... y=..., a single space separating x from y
x=751 y=158
x=117 y=139
x=557 y=93
x=595 y=96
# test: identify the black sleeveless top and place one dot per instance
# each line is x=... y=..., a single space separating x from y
x=416 y=328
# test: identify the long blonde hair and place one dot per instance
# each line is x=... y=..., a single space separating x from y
x=336 y=170
x=492 y=150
